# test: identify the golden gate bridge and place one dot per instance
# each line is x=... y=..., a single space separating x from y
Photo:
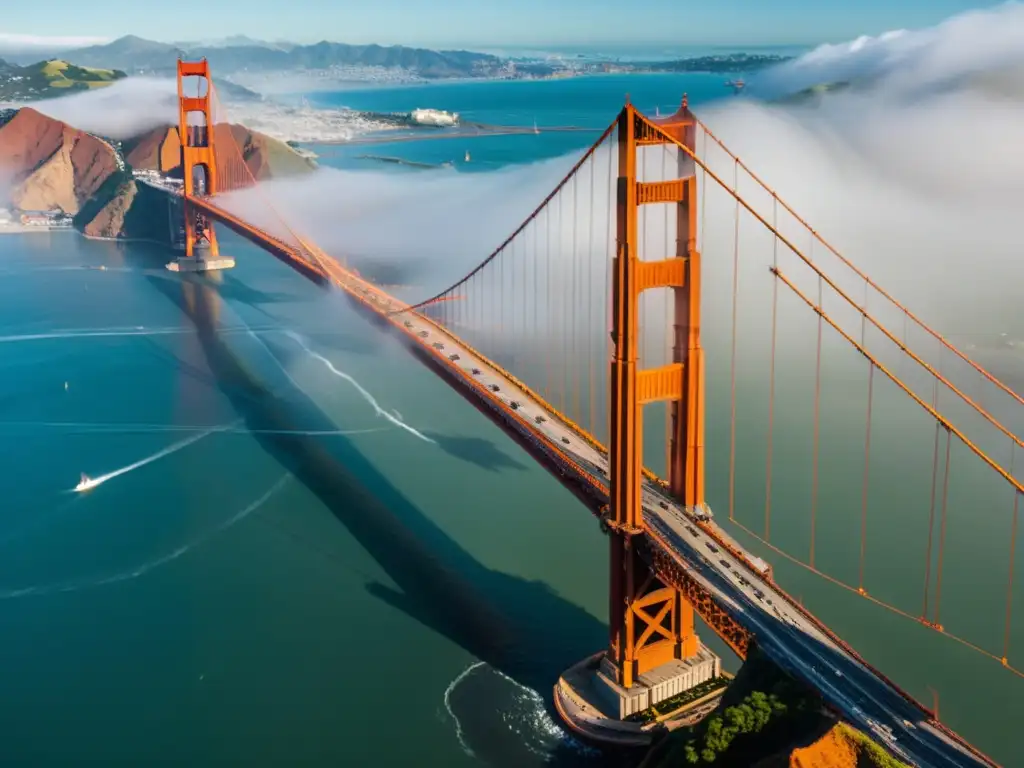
x=590 y=319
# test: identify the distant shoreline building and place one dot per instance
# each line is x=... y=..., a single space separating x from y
x=45 y=219
x=435 y=117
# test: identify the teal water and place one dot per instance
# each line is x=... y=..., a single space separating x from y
x=588 y=102
x=403 y=591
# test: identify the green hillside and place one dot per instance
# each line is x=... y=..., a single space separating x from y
x=47 y=79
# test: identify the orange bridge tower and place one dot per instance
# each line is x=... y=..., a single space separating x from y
x=654 y=652
x=198 y=167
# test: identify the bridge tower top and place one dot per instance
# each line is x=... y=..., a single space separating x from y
x=198 y=159
x=681 y=125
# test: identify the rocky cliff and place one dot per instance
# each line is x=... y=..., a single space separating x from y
x=46 y=165
x=842 y=746
x=767 y=719
x=265 y=157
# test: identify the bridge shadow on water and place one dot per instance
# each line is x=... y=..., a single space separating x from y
x=476 y=450
x=233 y=289
x=521 y=629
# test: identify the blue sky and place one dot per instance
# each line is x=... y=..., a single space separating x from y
x=485 y=23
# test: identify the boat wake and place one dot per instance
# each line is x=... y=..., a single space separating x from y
x=138 y=330
x=88 y=483
x=75 y=586
x=392 y=416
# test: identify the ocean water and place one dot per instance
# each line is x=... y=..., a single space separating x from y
x=300 y=564
x=585 y=102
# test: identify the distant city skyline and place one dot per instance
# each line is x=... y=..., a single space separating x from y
x=478 y=23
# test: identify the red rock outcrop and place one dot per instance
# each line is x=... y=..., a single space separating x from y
x=156 y=150
x=110 y=220
x=263 y=156
x=46 y=164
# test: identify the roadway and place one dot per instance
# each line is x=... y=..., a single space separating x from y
x=786 y=632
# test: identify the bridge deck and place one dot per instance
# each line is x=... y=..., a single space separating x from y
x=701 y=551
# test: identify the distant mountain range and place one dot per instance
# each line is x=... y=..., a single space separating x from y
x=239 y=54
x=137 y=55
x=55 y=77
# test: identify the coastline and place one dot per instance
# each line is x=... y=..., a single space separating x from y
x=28 y=229
x=148 y=240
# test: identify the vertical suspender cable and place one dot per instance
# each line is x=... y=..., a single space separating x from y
x=817 y=422
x=771 y=377
x=610 y=250
x=539 y=337
x=942 y=533
x=1013 y=553
x=592 y=266
x=732 y=366
x=864 y=485
x=560 y=265
x=931 y=507
x=548 y=317
x=576 y=311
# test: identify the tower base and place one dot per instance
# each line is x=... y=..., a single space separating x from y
x=199 y=264
x=593 y=705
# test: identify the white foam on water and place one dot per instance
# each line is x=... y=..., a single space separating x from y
x=539 y=733
x=390 y=416
x=448 y=704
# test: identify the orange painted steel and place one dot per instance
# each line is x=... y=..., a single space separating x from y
x=861 y=274
x=633 y=584
x=672 y=571
x=197 y=152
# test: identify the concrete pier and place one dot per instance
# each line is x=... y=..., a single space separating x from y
x=592 y=704
x=655 y=686
x=199 y=264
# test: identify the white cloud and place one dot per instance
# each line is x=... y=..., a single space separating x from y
x=14 y=43
x=962 y=45
x=121 y=110
x=136 y=104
